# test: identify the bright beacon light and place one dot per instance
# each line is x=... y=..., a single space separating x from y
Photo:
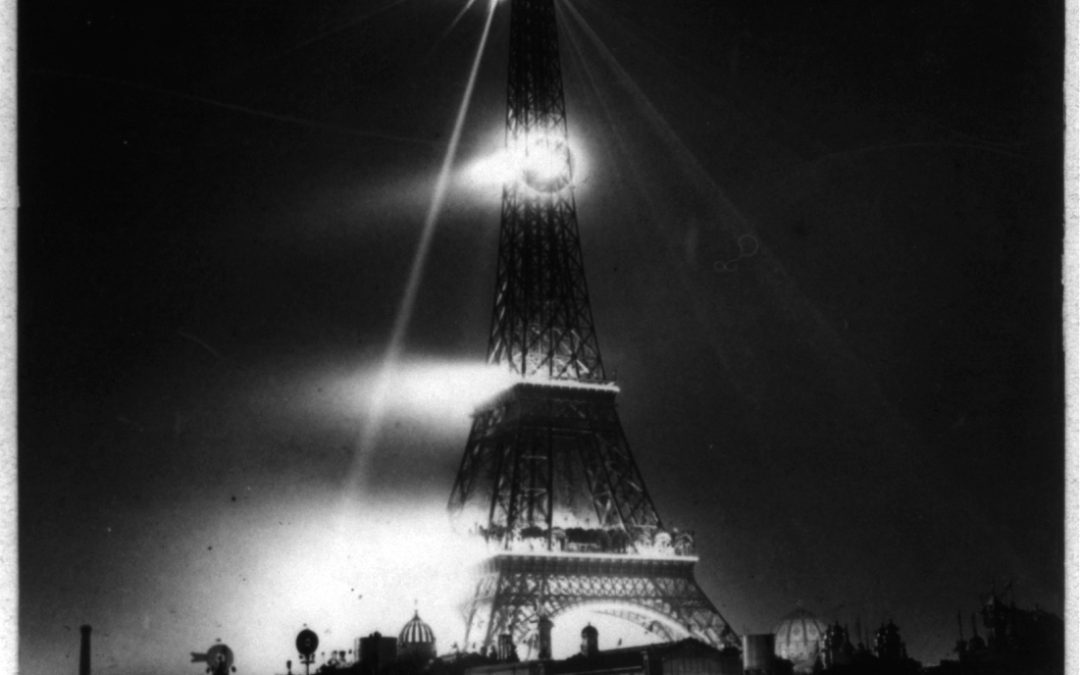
x=545 y=164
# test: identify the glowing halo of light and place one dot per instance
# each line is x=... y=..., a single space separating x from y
x=448 y=389
x=507 y=166
x=546 y=164
x=431 y=389
x=435 y=395
x=366 y=568
x=490 y=170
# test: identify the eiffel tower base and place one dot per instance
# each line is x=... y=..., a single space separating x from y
x=658 y=594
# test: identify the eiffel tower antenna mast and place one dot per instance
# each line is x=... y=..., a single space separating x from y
x=547 y=477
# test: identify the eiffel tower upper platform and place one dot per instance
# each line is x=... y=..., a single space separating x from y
x=547 y=477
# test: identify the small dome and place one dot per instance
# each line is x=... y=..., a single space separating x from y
x=415 y=633
x=799 y=637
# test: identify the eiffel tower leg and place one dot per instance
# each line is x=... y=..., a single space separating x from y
x=471 y=614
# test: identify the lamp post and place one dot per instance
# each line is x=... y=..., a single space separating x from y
x=306 y=643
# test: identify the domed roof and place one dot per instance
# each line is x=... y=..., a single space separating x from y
x=416 y=632
x=799 y=638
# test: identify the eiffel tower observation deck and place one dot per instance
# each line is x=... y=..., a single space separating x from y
x=547 y=477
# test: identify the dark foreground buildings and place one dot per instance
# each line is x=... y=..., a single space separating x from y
x=1012 y=640
x=1001 y=639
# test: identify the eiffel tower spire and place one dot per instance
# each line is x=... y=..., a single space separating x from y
x=547 y=477
x=542 y=323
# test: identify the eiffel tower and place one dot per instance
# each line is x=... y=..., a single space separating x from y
x=547 y=477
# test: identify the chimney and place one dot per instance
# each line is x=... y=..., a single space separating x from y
x=545 y=626
x=84 y=650
x=506 y=648
x=589 y=638
x=758 y=653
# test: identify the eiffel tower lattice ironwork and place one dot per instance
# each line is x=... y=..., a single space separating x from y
x=547 y=477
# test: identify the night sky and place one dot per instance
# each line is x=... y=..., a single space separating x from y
x=823 y=245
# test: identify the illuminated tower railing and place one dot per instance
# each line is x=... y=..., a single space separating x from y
x=547 y=476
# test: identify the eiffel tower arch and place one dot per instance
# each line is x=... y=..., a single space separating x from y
x=547 y=477
x=657 y=593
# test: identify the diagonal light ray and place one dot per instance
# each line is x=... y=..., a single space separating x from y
x=342 y=27
x=622 y=155
x=235 y=107
x=372 y=425
x=802 y=309
x=731 y=218
x=669 y=57
x=307 y=42
x=457 y=19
